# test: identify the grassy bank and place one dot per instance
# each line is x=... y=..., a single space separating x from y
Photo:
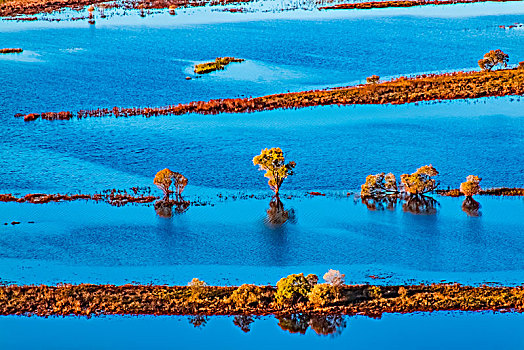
x=88 y=299
x=458 y=85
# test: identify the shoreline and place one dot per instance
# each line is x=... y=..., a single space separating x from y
x=423 y=88
x=121 y=197
x=371 y=300
x=401 y=3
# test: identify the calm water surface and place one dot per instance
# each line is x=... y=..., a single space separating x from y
x=418 y=331
x=121 y=62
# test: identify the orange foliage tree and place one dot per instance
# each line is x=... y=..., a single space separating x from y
x=471 y=186
x=272 y=161
x=420 y=182
x=493 y=58
x=164 y=179
x=379 y=185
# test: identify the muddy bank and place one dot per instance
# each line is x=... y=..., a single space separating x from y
x=449 y=86
x=112 y=197
x=501 y=191
x=86 y=299
x=408 y=3
x=32 y=7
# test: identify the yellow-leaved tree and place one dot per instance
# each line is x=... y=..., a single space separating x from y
x=164 y=178
x=272 y=161
x=420 y=182
x=471 y=186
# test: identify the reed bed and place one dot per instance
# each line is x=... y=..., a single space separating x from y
x=431 y=87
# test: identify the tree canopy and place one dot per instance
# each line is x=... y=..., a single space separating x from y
x=379 y=185
x=272 y=161
x=471 y=186
x=165 y=178
x=493 y=58
x=420 y=182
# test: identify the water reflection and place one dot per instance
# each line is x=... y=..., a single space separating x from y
x=420 y=205
x=243 y=322
x=320 y=324
x=198 y=320
x=164 y=208
x=277 y=215
x=292 y=323
x=380 y=203
x=471 y=207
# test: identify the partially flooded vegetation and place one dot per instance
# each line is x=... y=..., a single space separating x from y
x=430 y=87
x=219 y=63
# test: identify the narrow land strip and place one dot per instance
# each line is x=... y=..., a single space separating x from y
x=433 y=87
x=86 y=299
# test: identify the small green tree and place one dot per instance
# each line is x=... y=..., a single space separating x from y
x=292 y=289
x=492 y=59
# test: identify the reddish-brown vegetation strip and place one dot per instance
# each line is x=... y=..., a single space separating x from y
x=501 y=191
x=408 y=3
x=32 y=7
x=88 y=299
x=459 y=85
x=113 y=197
x=16 y=50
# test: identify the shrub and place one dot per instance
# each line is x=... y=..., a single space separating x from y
x=197 y=287
x=373 y=79
x=379 y=185
x=312 y=279
x=471 y=186
x=334 y=277
x=292 y=289
x=374 y=292
x=245 y=295
x=521 y=65
x=402 y=292
x=421 y=181
x=323 y=294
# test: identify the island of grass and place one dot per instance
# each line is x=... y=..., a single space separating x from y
x=218 y=64
x=293 y=294
x=430 y=87
x=8 y=50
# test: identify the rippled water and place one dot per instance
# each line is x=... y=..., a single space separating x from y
x=66 y=66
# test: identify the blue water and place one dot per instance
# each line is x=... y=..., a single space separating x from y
x=233 y=243
x=418 y=331
x=69 y=66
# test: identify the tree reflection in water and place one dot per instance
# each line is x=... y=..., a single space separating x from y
x=277 y=215
x=471 y=207
x=420 y=204
x=320 y=324
x=198 y=320
x=380 y=203
x=243 y=322
x=164 y=208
